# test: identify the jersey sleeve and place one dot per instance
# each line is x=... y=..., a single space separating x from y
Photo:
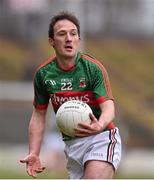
x=41 y=97
x=101 y=85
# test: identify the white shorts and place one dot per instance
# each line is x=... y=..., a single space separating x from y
x=105 y=146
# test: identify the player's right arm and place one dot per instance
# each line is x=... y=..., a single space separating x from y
x=37 y=125
x=36 y=132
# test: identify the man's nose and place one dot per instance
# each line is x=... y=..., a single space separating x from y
x=68 y=37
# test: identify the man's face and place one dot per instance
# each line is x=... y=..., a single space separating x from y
x=66 y=39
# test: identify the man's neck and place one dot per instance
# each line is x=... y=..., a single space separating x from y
x=66 y=64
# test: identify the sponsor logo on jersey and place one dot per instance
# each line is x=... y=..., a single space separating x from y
x=59 y=98
x=82 y=82
x=66 y=80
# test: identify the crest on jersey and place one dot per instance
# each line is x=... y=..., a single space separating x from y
x=82 y=82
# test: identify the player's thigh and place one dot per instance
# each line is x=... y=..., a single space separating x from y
x=95 y=169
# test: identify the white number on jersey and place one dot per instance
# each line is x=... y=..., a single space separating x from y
x=66 y=86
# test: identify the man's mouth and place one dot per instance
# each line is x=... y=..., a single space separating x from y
x=68 y=47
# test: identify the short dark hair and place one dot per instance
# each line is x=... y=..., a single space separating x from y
x=61 y=16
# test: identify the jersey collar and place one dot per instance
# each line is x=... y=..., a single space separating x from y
x=78 y=56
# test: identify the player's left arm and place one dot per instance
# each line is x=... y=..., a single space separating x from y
x=102 y=91
x=107 y=113
x=97 y=125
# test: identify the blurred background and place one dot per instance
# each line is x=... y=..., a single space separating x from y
x=118 y=32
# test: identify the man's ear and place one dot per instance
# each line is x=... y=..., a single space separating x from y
x=51 y=42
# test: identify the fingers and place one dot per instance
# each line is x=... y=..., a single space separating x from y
x=83 y=129
x=92 y=117
x=33 y=170
x=82 y=133
x=33 y=165
x=87 y=126
x=39 y=170
x=83 y=125
x=29 y=168
x=25 y=160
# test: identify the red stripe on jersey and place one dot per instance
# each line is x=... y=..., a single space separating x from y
x=101 y=99
x=106 y=80
x=111 y=125
x=49 y=60
x=59 y=98
x=40 y=106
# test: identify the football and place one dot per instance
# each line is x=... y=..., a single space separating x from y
x=70 y=114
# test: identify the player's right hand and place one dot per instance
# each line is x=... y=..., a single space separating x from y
x=33 y=165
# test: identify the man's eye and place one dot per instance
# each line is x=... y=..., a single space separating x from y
x=74 y=33
x=61 y=34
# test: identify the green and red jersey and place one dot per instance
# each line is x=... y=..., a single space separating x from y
x=87 y=81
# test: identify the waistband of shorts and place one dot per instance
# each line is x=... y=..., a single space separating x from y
x=110 y=126
x=74 y=139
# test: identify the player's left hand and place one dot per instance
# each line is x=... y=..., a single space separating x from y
x=85 y=129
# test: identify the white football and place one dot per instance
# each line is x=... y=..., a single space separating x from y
x=70 y=114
